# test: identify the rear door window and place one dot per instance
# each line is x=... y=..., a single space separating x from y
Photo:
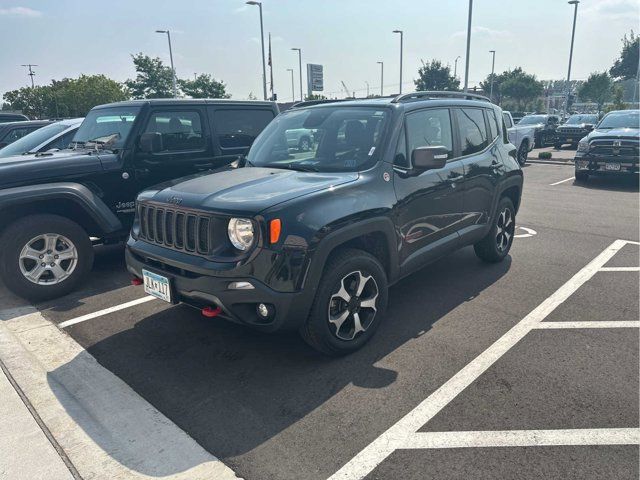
x=473 y=131
x=493 y=124
x=238 y=128
x=180 y=130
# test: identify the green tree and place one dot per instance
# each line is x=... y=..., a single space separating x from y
x=598 y=88
x=153 y=78
x=626 y=66
x=520 y=87
x=435 y=76
x=31 y=101
x=314 y=96
x=618 y=99
x=204 y=86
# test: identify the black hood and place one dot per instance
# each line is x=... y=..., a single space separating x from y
x=614 y=133
x=245 y=190
x=23 y=169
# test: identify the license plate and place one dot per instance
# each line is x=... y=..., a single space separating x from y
x=612 y=166
x=156 y=285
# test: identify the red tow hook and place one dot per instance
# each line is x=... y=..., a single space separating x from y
x=135 y=281
x=210 y=312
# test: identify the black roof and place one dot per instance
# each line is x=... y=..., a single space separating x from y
x=25 y=123
x=186 y=101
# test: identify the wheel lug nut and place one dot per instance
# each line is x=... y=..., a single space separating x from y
x=52 y=264
x=43 y=264
x=56 y=256
x=41 y=256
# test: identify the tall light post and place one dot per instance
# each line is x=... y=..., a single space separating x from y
x=173 y=70
x=299 y=50
x=401 y=42
x=466 y=60
x=455 y=67
x=493 y=65
x=573 y=33
x=31 y=72
x=367 y=88
x=293 y=90
x=381 y=78
x=264 y=67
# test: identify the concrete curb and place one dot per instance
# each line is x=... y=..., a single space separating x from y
x=103 y=426
x=550 y=162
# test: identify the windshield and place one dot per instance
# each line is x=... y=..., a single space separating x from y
x=532 y=119
x=105 y=128
x=621 y=120
x=31 y=141
x=578 y=119
x=324 y=139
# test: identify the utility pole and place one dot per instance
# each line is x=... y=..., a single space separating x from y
x=31 y=72
x=381 y=79
x=299 y=50
x=293 y=90
x=455 y=67
x=493 y=65
x=466 y=69
x=573 y=33
x=173 y=69
x=367 y=88
x=264 y=68
x=401 y=42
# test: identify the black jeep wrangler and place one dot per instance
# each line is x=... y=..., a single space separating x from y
x=313 y=239
x=53 y=203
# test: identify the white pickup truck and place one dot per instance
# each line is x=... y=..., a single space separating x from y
x=522 y=136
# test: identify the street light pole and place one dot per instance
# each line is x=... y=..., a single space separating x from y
x=401 y=42
x=381 y=79
x=299 y=50
x=173 y=70
x=455 y=67
x=264 y=67
x=466 y=60
x=573 y=33
x=367 y=88
x=493 y=64
x=293 y=90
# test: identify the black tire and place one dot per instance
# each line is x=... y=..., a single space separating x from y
x=557 y=146
x=20 y=233
x=537 y=141
x=304 y=145
x=323 y=335
x=523 y=152
x=581 y=176
x=495 y=246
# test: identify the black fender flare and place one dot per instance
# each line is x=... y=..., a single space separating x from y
x=334 y=239
x=75 y=192
x=514 y=180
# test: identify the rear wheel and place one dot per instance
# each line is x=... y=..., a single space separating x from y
x=44 y=256
x=350 y=301
x=523 y=151
x=497 y=243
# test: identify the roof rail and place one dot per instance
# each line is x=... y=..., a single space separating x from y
x=438 y=94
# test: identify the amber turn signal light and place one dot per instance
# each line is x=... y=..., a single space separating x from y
x=275 y=226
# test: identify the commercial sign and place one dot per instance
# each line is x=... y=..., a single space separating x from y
x=315 y=79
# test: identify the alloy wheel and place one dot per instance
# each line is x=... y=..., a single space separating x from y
x=352 y=308
x=504 y=229
x=48 y=259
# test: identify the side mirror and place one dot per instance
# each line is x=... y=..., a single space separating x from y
x=150 y=142
x=429 y=158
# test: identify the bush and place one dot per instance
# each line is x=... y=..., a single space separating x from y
x=544 y=155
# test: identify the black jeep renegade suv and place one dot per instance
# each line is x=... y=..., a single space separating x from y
x=313 y=239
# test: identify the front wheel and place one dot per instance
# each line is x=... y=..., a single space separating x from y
x=349 y=303
x=495 y=246
x=523 y=152
x=44 y=256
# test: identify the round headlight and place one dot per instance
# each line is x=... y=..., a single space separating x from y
x=240 y=233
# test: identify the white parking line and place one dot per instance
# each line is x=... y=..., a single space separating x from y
x=562 y=181
x=404 y=431
x=525 y=438
x=106 y=311
x=620 y=269
x=595 y=324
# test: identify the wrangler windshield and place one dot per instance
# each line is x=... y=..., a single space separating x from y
x=106 y=128
x=322 y=139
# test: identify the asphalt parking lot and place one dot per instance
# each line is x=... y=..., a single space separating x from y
x=524 y=369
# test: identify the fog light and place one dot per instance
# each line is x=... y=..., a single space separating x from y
x=263 y=310
x=241 y=286
x=583 y=164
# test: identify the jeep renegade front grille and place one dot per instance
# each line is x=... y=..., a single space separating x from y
x=175 y=229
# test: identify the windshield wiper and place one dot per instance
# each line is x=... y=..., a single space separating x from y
x=302 y=167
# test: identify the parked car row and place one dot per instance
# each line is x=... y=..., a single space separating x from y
x=334 y=202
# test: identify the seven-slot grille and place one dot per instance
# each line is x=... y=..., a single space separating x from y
x=174 y=228
x=605 y=147
x=571 y=130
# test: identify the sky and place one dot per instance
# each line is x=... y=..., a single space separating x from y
x=66 y=38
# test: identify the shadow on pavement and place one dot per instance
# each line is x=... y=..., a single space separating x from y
x=611 y=183
x=232 y=389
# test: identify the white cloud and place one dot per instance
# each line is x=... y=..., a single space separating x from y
x=482 y=32
x=604 y=10
x=20 y=12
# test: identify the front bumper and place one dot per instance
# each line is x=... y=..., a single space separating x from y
x=211 y=289
x=597 y=165
x=562 y=137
